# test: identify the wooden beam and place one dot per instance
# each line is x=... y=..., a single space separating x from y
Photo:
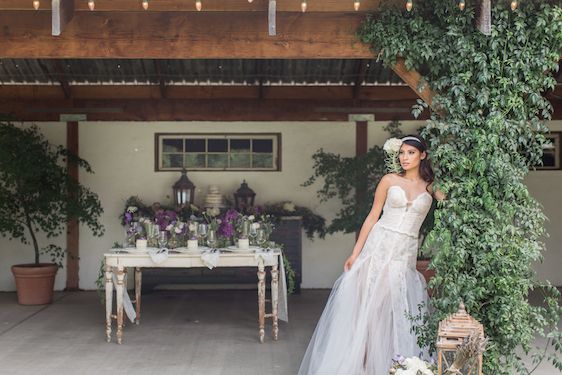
x=206 y=110
x=413 y=79
x=73 y=232
x=208 y=35
x=62 y=12
x=334 y=93
x=208 y=6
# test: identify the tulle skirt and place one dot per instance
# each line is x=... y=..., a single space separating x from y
x=366 y=319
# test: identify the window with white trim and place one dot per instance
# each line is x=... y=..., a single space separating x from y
x=218 y=152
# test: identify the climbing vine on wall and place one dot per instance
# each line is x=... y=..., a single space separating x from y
x=486 y=130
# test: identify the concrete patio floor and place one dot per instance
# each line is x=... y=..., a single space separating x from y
x=197 y=332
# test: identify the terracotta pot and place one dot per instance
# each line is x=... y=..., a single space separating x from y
x=422 y=267
x=34 y=283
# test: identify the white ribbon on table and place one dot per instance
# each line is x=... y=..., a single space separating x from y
x=127 y=303
x=210 y=258
x=268 y=258
x=158 y=255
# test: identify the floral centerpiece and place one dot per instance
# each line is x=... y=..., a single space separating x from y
x=411 y=366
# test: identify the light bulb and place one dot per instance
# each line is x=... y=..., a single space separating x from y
x=250 y=1
x=514 y=5
x=36 y=4
x=409 y=5
x=356 y=5
x=198 y=5
x=461 y=4
x=145 y=4
x=303 y=6
x=91 y=4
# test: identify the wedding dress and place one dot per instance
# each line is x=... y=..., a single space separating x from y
x=365 y=321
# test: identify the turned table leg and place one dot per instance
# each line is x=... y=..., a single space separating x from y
x=119 y=290
x=275 y=300
x=108 y=301
x=261 y=300
x=138 y=284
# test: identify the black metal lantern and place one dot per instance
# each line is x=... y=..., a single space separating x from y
x=184 y=190
x=244 y=197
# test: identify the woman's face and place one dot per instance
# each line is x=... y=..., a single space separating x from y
x=410 y=157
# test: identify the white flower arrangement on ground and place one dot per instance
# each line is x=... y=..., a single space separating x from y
x=392 y=148
x=411 y=366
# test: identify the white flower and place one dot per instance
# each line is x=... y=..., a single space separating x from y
x=219 y=221
x=178 y=230
x=192 y=227
x=251 y=217
x=132 y=209
x=289 y=206
x=392 y=145
x=215 y=211
x=256 y=225
x=169 y=227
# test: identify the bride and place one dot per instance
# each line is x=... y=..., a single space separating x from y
x=365 y=321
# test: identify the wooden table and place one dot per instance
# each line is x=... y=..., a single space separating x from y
x=118 y=262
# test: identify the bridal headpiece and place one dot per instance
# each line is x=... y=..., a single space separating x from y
x=392 y=148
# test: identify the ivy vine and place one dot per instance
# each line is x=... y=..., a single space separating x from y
x=485 y=133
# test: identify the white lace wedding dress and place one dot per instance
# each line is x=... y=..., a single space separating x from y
x=365 y=322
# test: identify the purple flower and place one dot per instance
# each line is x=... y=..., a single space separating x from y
x=399 y=359
x=128 y=218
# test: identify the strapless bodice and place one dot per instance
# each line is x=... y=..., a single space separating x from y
x=404 y=216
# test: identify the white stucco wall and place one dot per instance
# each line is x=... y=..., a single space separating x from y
x=546 y=187
x=122 y=156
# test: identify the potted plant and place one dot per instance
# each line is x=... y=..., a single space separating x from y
x=37 y=194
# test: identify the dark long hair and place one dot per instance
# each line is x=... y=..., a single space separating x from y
x=426 y=171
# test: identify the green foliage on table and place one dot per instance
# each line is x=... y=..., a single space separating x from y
x=37 y=194
x=487 y=129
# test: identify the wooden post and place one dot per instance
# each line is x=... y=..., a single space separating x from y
x=72 y=234
x=361 y=133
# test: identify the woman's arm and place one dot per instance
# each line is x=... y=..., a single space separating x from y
x=438 y=194
x=372 y=218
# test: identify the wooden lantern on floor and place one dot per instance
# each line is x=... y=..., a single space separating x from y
x=454 y=332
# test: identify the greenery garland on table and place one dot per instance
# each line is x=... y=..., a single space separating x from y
x=487 y=131
x=312 y=223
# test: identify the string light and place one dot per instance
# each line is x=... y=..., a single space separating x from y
x=461 y=4
x=356 y=5
x=303 y=6
x=36 y=4
x=514 y=5
x=145 y=4
x=198 y=5
x=409 y=5
x=91 y=4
